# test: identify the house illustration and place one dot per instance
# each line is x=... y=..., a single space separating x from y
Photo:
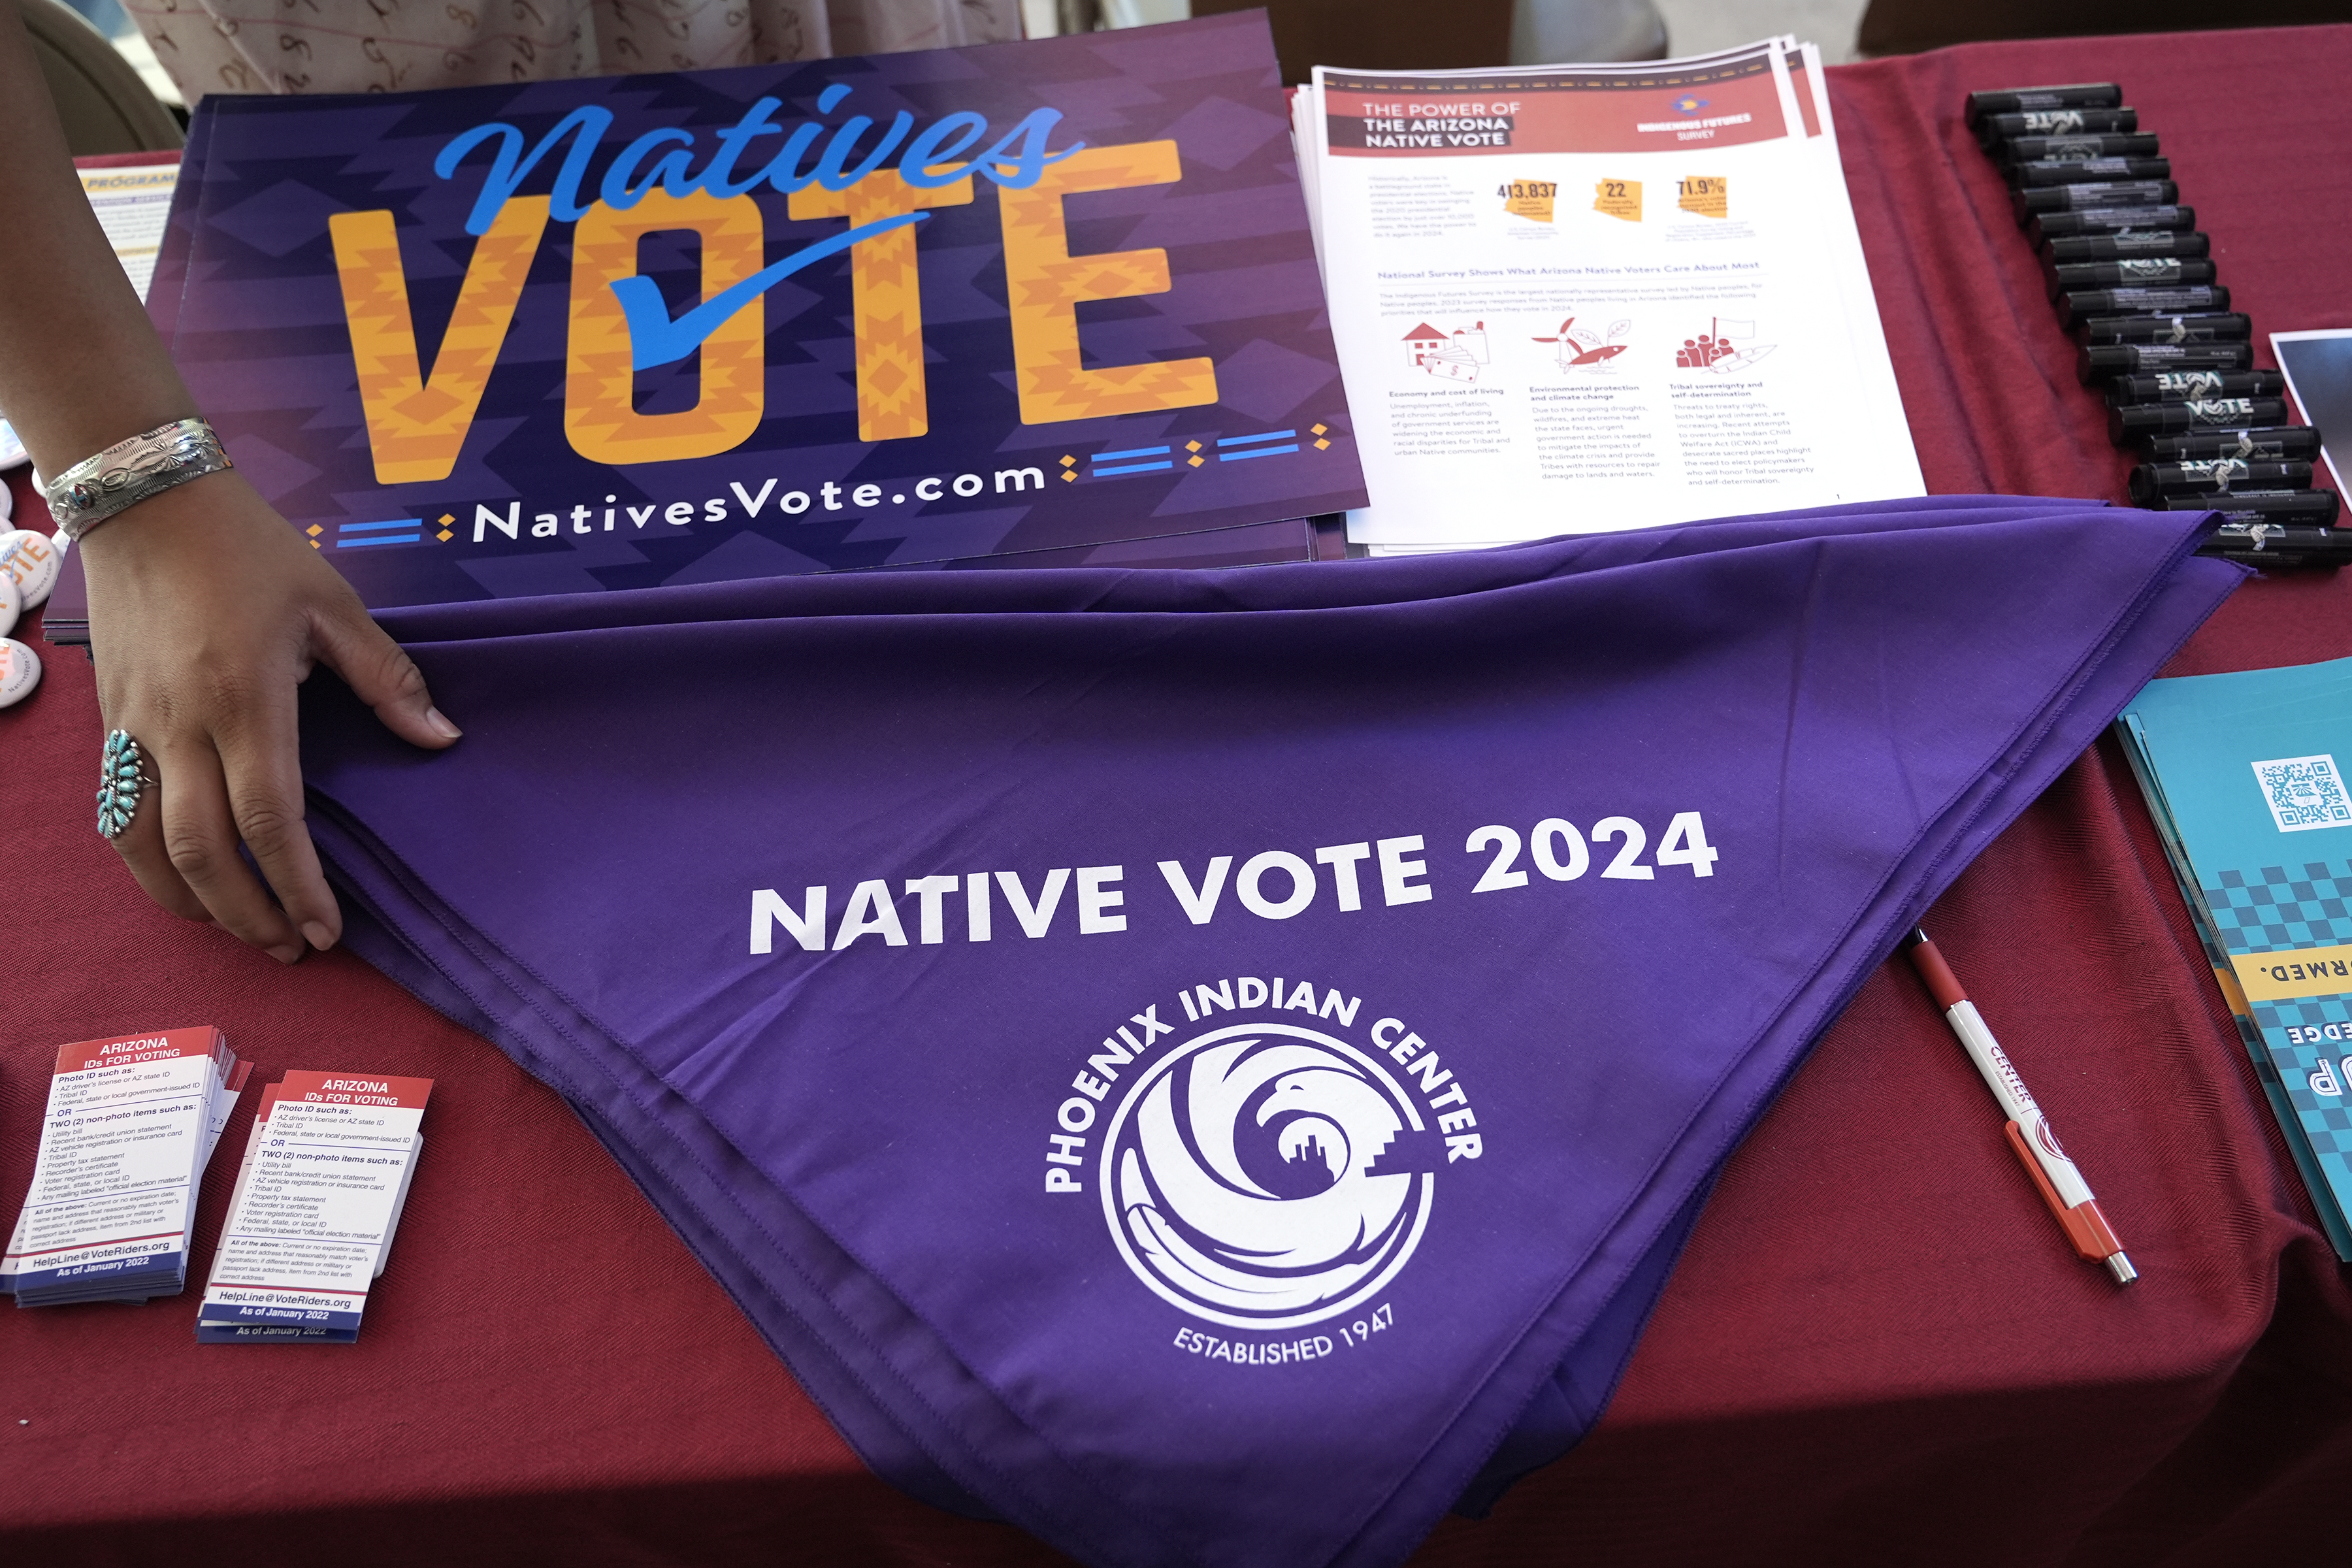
x=1455 y=357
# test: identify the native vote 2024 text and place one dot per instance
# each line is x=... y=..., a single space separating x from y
x=1273 y=884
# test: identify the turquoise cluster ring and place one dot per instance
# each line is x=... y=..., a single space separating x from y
x=122 y=784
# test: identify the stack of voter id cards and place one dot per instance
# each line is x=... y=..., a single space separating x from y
x=2242 y=774
x=131 y=1123
x=310 y=1227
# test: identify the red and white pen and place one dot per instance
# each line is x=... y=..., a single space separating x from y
x=2061 y=1184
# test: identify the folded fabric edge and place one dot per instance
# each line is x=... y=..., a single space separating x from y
x=2175 y=598
x=1333 y=585
x=874 y=1404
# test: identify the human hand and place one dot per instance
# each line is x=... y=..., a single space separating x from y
x=206 y=610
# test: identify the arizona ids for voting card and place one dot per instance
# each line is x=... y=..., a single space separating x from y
x=309 y=1226
x=131 y=1126
x=1590 y=298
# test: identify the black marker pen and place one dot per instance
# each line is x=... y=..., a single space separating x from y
x=2267 y=542
x=1995 y=129
x=2214 y=478
x=2087 y=170
x=2100 y=361
x=2126 y=424
x=2194 y=327
x=2132 y=271
x=2278 y=442
x=2128 y=244
x=2074 y=149
x=2314 y=509
x=2193 y=386
x=2076 y=303
x=2045 y=227
x=2016 y=99
x=2099 y=194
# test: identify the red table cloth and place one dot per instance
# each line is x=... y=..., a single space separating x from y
x=1878 y=1348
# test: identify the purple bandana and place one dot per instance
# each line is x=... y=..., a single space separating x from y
x=1215 y=1068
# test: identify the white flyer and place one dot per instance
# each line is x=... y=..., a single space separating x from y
x=222 y=1101
x=130 y=1125
x=310 y=1223
x=260 y=1130
x=1587 y=298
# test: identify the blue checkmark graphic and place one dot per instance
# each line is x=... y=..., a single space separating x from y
x=655 y=339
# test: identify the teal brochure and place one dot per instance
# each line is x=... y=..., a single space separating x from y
x=2245 y=772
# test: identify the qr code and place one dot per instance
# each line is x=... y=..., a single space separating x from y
x=2304 y=793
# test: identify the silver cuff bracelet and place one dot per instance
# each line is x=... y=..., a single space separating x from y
x=129 y=471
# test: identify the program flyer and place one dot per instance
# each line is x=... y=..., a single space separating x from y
x=1589 y=297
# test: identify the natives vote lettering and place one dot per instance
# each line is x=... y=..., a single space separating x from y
x=707 y=326
x=619 y=325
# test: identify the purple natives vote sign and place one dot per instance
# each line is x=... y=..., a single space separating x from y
x=569 y=336
x=1215 y=1067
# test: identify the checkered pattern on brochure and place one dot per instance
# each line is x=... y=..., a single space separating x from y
x=2284 y=908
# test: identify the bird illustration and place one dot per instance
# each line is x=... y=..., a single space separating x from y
x=1219 y=1234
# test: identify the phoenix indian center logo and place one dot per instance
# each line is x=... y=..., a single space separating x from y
x=1265 y=1172
x=1245 y=1177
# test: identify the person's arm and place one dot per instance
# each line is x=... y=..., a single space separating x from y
x=205 y=607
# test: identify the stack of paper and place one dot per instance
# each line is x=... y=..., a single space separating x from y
x=325 y=1177
x=1592 y=297
x=2243 y=773
x=131 y=1124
